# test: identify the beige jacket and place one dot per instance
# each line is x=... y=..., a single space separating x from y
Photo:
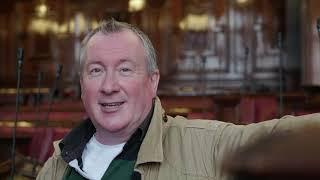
x=177 y=148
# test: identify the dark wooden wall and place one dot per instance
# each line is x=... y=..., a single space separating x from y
x=237 y=53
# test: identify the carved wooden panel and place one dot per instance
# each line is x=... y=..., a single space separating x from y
x=204 y=46
x=235 y=51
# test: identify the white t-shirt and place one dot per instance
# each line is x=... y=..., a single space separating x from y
x=96 y=159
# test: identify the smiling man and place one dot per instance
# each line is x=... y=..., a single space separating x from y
x=117 y=87
x=128 y=135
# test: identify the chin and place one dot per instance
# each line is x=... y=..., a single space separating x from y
x=113 y=128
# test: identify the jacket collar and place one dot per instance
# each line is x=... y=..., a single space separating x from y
x=74 y=142
x=151 y=149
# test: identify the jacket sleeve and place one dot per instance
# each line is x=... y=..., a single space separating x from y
x=54 y=167
x=232 y=137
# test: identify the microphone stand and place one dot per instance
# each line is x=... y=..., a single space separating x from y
x=318 y=26
x=54 y=88
x=34 y=161
x=279 y=41
x=247 y=83
x=13 y=150
x=40 y=76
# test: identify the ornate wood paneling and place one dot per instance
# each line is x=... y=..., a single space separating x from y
x=237 y=49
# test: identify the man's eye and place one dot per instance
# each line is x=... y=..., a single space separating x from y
x=125 y=69
x=95 y=71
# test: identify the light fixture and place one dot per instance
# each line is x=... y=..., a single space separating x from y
x=136 y=5
x=243 y=2
x=77 y=25
x=196 y=22
x=41 y=9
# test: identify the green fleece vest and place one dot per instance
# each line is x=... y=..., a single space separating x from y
x=118 y=169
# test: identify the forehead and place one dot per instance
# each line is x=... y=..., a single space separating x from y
x=123 y=44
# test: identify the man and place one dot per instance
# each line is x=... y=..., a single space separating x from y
x=128 y=135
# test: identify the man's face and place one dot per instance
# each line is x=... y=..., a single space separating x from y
x=117 y=90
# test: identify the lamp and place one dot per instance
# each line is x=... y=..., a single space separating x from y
x=41 y=9
x=136 y=5
x=197 y=22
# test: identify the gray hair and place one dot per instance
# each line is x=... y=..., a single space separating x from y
x=112 y=26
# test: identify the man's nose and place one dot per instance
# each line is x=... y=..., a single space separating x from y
x=110 y=84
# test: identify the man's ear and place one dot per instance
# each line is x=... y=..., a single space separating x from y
x=155 y=77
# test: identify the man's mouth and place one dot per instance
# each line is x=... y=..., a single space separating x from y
x=114 y=104
x=110 y=107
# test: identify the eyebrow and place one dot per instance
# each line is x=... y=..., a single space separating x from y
x=128 y=60
x=125 y=60
x=121 y=61
x=94 y=62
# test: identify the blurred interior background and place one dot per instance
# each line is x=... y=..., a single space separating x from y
x=240 y=61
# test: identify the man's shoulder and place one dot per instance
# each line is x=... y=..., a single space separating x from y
x=54 y=167
x=206 y=124
x=188 y=145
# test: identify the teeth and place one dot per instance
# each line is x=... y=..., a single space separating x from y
x=111 y=104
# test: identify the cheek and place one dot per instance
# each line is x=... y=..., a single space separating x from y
x=143 y=90
x=134 y=89
x=89 y=89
